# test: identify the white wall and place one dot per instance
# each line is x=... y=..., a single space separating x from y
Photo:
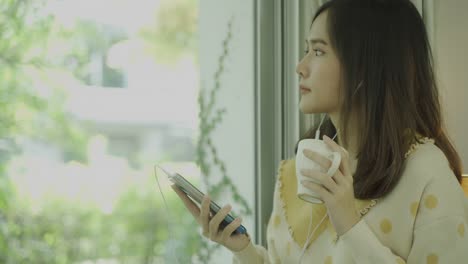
x=235 y=136
x=451 y=55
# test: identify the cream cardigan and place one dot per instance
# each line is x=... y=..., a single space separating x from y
x=423 y=220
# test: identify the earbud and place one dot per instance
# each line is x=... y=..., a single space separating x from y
x=317 y=133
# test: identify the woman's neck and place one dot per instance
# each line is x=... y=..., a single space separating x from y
x=352 y=146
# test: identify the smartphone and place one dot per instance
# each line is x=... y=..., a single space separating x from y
x=196 y=195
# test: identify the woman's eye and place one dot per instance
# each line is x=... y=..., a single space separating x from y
x=318 y=52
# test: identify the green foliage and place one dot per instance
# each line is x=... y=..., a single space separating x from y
x=23 y=113
x=22 y=35
x=135 y=231
x=174 y=30
x=24 y=29
x=210 y=118
x=67 y=232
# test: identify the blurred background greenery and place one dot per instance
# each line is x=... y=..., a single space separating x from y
x=61 y=200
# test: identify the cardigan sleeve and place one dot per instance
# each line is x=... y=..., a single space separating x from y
x=252 y=254
x=440 y=242
x=258 y=254
x=439 y=232
x=443 y=241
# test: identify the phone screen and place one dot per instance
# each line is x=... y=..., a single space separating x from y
x=196 y=195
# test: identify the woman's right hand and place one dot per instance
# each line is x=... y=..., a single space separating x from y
x=210 y=225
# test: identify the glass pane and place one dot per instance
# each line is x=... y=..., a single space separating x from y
x=94 y=95
x=227 y=56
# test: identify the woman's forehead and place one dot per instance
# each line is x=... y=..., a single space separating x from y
x=318 y=29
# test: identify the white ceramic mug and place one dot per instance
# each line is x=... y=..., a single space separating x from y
x=302 y=162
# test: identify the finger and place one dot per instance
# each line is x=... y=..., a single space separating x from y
x=229 y=229
x=318 y=189
x=319 y=159
x=205 y=215
x=345 y=169
x=321 y=178
x=339 y=178
x=344 y=166
x=216 y=220
x=191 y=206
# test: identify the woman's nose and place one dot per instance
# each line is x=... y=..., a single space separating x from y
x=301 y=69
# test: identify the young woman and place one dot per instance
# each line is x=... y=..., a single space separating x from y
x=396 y=197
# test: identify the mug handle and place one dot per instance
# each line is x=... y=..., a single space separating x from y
x=335 y=164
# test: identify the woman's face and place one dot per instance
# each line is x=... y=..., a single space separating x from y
x=319 y=72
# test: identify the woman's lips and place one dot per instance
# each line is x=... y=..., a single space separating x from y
x=304 y=89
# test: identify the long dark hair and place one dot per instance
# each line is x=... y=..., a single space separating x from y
x=384 y=50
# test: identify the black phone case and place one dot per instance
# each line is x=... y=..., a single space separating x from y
x=214 y=208
x=197 y=196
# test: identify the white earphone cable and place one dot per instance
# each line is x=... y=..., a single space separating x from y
x=309 y=236
x=169 y=226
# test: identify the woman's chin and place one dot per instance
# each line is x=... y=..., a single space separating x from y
x=314 y=107
x=308 y=109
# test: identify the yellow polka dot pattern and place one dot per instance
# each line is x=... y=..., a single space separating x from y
x=328 y=260
x=461 y=229
x=431 y=202
x=414 y=208
x=277 y=221
x=400 y=261
x=386 y=226
x=432 y=259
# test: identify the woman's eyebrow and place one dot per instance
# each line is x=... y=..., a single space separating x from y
x=316 y=41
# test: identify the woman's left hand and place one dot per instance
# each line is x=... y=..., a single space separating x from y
x=336 y=192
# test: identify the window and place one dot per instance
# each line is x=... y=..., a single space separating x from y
x=99 y=92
